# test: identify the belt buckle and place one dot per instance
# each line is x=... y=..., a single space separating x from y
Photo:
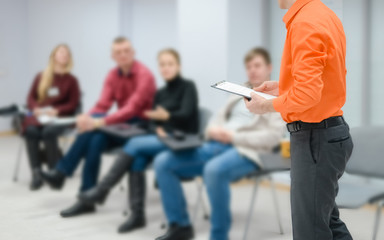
x=294 y=127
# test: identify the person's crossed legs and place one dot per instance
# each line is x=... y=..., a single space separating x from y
x=219 y=164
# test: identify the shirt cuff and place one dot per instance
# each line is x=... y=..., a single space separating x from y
x=278 y=103
x=110 y=120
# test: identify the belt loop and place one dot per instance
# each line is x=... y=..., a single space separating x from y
x=326 y=123
x=297 y=126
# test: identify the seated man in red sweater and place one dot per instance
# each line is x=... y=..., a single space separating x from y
x=131 y=86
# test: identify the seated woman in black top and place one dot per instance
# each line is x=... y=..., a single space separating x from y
x=175 y=109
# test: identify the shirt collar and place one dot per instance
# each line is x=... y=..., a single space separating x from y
x=293 y=10
x=174 y=82
x=132 y=71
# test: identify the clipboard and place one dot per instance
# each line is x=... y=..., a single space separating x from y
x=190 y=141
x=239 y=90
x=124 y=130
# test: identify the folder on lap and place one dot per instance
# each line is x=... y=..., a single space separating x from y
x=124 y=130
x=189 y=141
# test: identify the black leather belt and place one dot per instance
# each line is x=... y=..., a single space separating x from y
x=326 y=123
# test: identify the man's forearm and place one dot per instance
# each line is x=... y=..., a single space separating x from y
x=268 y=106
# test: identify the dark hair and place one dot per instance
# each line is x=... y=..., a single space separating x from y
x=120 y=39
x=171 y=51
x=258 y=51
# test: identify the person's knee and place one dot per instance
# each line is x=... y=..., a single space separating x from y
x=32 y=132
x=214 y=173
x=49 y=132
x=98 y=142
x=134 y=146
x=162 y=162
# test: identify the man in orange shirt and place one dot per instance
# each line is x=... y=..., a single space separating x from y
x=311 y=93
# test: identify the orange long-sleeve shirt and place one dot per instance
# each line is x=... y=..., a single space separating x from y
x=312 y=84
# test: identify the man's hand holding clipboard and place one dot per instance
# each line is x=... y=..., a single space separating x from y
x=257 y=100
x=260 y=105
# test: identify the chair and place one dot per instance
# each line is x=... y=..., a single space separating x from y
x=18 y=125
x=272 y=163
x=366 y=162
x=204 y=116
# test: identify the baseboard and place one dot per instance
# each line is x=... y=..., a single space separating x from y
x=7 y=133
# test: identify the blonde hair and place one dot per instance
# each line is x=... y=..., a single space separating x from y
x=172 y=52
x=47 y=75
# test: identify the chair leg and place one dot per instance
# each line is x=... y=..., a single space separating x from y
x=377 y=220
x=205 y=208
x=199 y=200
x=122 y=189
x=277 y=208
x=18 y=161
x=251 y=207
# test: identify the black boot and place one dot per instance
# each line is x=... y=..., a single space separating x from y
x=137 y=188
x=99 y=193
x=54 y=178
x=34 y=156
x=176 y=232
x=52 y=152
x=77 y=209
x=36 y=182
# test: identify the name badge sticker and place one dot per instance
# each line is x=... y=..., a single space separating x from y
x=53 y=92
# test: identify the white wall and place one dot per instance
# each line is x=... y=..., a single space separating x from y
x=88 y=26
x=377 y=64
x=13 y=27
x=353 y=27
x=153 y=27
x=203 y=43
x=245 y=31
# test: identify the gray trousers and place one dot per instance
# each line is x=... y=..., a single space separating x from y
x=319 y=157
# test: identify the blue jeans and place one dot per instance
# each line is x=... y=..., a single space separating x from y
x=143 y=149
x=219 y=164
x=89 y=145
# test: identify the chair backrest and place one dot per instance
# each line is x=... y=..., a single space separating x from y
x=204 y=116
x=368 y=153
x=79 y=108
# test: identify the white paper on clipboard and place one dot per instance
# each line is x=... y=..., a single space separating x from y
x=239 y=90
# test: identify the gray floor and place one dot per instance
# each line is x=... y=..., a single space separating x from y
x=34 y=215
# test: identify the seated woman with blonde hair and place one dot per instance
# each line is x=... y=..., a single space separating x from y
x=54 y=92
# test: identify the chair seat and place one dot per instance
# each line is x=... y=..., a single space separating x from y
x=272 y=162
x=355 y=195
x=114 y=151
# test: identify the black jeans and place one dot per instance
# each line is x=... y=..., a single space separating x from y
x=319 y=158
x=50 y=153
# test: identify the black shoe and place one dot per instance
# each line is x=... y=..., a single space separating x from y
x=54 y=178
x=93 y=196
x=176 y=232
x=135 y=221
x=36 y=182
x=77 y=209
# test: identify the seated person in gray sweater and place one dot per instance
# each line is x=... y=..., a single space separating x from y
x=235 y=139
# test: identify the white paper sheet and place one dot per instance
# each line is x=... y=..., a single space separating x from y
x=240 y=90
